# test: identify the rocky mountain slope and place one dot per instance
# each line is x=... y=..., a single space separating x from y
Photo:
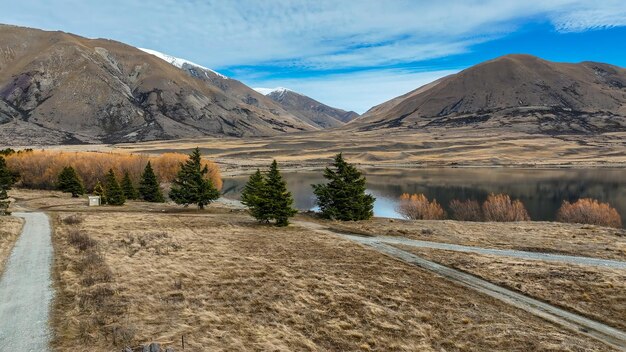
x=61 y=88
x=519 y=92
x=308 y=109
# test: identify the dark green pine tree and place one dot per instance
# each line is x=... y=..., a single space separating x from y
x=98 y=190
x=277 y=201
x=253 y=196
x=149 y=186
x=343 y=197
x=191 y=185
x=130 y=192
x=69 y=182
x=114 y=193
x=7 y=179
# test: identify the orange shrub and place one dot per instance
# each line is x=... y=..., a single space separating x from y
x=467 y=210
x=589 y=211
x=499 y=207
x=40 y=168
x=417 y=207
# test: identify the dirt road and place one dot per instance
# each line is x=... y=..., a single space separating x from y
x=26 y=288
x=548 y=257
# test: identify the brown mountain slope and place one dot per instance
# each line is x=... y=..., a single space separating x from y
x=58 y=88
x=519 y=91
x=311 y=110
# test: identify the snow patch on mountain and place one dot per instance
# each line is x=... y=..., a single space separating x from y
x=268 y=91
x=178 y=62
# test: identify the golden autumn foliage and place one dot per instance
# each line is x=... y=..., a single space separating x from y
x=40 y=168
x=500 y=207
x=466 y=210
x=589 y=211
x=418 y=207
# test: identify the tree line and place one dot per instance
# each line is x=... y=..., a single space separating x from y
x=192 y=185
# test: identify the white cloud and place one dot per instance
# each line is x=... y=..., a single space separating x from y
x=359 y=91
x=317 y=34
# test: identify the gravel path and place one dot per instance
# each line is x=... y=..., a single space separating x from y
x=26 y=288
x=569 y=259
x=572 y=321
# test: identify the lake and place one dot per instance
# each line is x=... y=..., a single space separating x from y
x=541 y=190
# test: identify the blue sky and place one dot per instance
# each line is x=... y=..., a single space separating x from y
x=349 y=54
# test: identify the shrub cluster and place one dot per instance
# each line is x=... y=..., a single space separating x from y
x=500 y=207
x=418 y=207
x=589 y=211
x=466 y=210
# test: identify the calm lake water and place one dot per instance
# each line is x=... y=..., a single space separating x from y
x=542 y=191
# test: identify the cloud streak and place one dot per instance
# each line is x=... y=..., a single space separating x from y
x=318 y=34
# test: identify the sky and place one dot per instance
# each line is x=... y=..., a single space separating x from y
x=347 y=54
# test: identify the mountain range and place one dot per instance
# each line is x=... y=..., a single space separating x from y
x=309 y=109
x=59 y=88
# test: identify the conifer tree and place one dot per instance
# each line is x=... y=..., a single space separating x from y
x=343 y=197
x=253 y=196
x=114 y=193
x=191 y=185
x=68 y=181
x=149 y=187
x=127 y=187
x=98 y=190
x=7 y=178
x=276 y=200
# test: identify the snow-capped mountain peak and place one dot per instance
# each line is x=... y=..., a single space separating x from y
x=268 y=91
x=178 y=62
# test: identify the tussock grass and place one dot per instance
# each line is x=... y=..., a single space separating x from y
x=10 y=228
x=237 y=285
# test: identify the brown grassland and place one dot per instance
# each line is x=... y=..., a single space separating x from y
x=396 y=147
x=228 y=283
x=591 y=291
x=225 y=282
x=10 y=228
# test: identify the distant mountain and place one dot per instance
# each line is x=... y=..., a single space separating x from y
x=308 y=109
x=58 y=88
x=520 y=92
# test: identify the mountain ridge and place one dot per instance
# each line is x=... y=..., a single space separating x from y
x=308 y=109
x=60 y=88
x=585 y=97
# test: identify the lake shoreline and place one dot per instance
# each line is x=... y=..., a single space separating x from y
x=236 y=169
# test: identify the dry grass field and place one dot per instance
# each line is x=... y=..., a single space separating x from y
x=548 y=237
x=396 y=148
x=227 y=283
x=591 y=291
x=10 y=228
